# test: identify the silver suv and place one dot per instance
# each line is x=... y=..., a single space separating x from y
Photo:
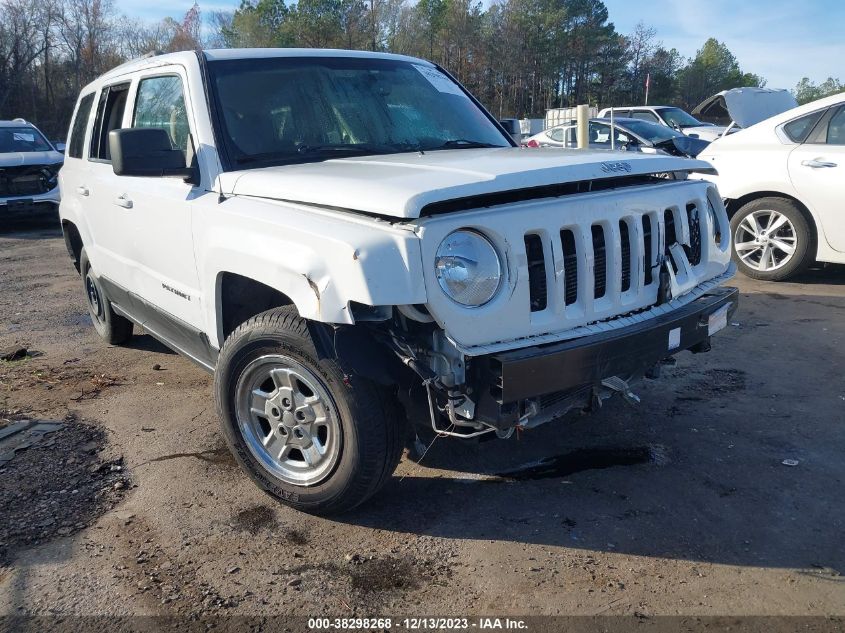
x=29 y=169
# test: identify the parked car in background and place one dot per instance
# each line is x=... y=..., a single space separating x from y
x=783 y=181
x=630 y=135
x=29 y=168
x=744 y=107
x=670 y=116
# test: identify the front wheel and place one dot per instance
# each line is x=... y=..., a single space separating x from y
x=772 y=239
x=312 y=436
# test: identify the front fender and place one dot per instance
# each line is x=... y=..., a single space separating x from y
x=320 y=259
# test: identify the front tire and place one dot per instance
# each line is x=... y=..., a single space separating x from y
x=772 y=240
x=112 y=328
x=307 y=433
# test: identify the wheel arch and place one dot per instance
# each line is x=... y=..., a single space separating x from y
x=241 y=297
x=735 y=204
x=73 y=242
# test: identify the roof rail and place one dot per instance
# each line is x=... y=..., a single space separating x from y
x=19 y=120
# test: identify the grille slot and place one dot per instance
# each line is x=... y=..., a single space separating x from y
x=599 y=262
x=625 y=238
x=648 y=257
x=570 y=266
x=671 y=236
x=693 y=251
x=537 y=289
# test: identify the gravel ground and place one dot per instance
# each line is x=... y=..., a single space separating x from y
x=680 y=505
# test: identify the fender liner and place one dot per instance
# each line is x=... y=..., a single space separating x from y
x=359 y=351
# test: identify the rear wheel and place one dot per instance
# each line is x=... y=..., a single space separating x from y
x=112 y=327
x=309 y=434
x=772 y=239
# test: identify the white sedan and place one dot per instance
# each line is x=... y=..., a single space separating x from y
x=783 y=181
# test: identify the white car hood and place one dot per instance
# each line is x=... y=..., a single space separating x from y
x=400 y=185
x=748 y=106
x=17 y=159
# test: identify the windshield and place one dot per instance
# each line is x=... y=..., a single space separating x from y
x=679 y=118
x=652 y=132
x=22 y=139
x=286 y=110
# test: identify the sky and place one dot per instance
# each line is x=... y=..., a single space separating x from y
x=781 y=40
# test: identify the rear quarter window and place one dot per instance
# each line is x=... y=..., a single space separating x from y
x=799 y=129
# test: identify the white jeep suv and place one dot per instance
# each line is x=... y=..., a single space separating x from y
x=350 y=242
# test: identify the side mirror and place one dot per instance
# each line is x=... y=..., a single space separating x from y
x=59 y=147
x=148 y=152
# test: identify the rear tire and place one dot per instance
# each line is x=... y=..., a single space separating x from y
x=112 y=328
x=772 y=239
x=307 y=433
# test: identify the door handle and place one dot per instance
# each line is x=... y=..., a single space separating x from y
x=817 y=163
x=123 y=201
x=82 y=190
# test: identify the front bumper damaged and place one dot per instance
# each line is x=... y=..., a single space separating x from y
x=533 y=385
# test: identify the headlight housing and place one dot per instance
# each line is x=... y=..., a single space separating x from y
x=468 y=268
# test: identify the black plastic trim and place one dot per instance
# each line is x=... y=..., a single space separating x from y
x=628 y=351
x=170 y=330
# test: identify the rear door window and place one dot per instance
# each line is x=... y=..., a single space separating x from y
x=109 y=117
x=645 y=115
x=80 y=123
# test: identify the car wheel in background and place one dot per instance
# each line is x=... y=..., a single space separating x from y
x=772 y=239
x=112 y=328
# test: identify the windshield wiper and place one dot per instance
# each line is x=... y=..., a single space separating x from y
x=346 y=148
x=462 y=143
x=305 y=150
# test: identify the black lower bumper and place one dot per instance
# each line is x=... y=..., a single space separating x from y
x=577 y=365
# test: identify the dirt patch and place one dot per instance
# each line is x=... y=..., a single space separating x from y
x=721 y=381
x=255 y=519
x=35 y=386
x=57 y=487
x=382 y=575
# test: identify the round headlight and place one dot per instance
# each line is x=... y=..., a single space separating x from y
x=468 y=268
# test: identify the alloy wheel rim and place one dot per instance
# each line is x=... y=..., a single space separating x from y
x=288 y=419
x=93 y=294
x=765 y=240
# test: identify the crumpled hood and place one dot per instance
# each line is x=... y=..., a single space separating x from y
x=705 y=132
x=400 y=185
x=746 y=106
x=17 y=159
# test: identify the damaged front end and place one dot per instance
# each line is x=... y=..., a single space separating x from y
x=468 y=396
x=28 y=180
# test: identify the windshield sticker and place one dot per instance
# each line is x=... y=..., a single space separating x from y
x=440 y=81
x=20 y=136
